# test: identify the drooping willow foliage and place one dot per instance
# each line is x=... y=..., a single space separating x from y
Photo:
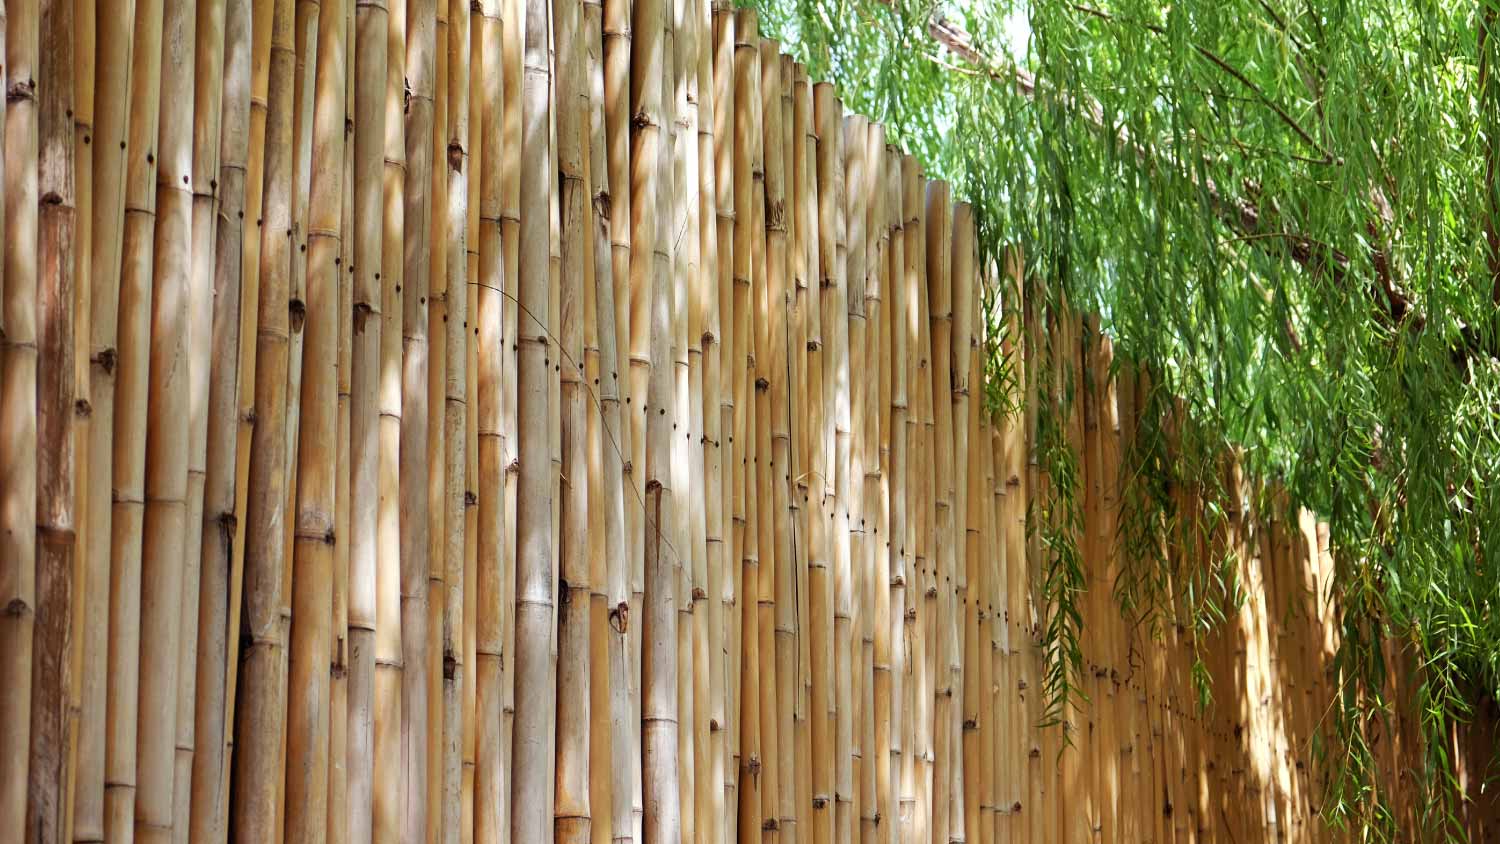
x=1287 y=212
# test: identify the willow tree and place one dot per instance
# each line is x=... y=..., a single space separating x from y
x=1290 y=215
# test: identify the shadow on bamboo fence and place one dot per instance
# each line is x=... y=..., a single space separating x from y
x=508 y=420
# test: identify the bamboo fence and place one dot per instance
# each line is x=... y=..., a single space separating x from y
x=448 y=421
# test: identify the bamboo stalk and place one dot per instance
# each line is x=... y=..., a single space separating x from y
x=804 y=221
x=872 y=587
x=490 y=788
x=18 y=420
x=821 y=369
x=731 y=500
x=714 y=275
x=765 y=265
x=112 y=95
x=259 y=717
x=372 y=22
x=898 y=525
x=535 y=667
x=164 y=524
x=453 y=146
x=651 y=259
x=970 y=590
x=207 y=106
x=338 y=823
x=390 y=719
x=211 y=645
x=617 y=95
x=747 y=135
x=921 y=431
x=52 y=336
x=85 y=51
x=573 y=808
x=312 y=585
x=512 y=38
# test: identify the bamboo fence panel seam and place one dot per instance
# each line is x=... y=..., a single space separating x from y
x=560 y=420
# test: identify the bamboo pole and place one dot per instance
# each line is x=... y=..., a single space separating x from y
x=806 y=428
x=617 y=95
x=697 y=192
x=52 y=332
x=453 y=147
x=651 y=260
x=259 y=717
x=821 y=521
x=714 y=273
x=490 y=789
x=966 y=518
x=766 y=108
x=856 y=201
x=370 y=78
x=895 y=434
x=415 y=469
x=876 y=598
x=535 y=669
x=208 y=93
x=214 y=661
x=108 y=165
x=390 y=720
x=940 y=319
x=18 y=420
x=338 y=824
x=731 y=499
x=924 y=635
x=574 y=720
x=782 y=618
x=83 y=44
x=312 y=584
x=169 y=403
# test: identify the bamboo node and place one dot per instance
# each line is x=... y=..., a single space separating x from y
x=699 y=594
x=820 y=801
x=18 y=608
x=1015 y=808
x=770 y=824
x=513 y=467
x=298 y=314
x=106 y=360
x=83 y=408
x=455 y=156
x=603 y=204
x=22 y=90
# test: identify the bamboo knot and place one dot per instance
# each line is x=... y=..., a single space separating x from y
x=83 y=408
x=52 y=197
x=754 y=766
x=513 y=467
x=450 y=665
x=971 y=724
x=820 y=801
x=470 y=498
x=770 y=824
x=932 y=591
x=455 y=156
x=699 y=594
x=23 y=89
x=619 y=617
x=1015 y=808
x=603 y=204
x=298 y=313
x=18 y=608
x=106 y=360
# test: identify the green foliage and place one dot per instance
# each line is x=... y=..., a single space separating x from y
x=1286 y=212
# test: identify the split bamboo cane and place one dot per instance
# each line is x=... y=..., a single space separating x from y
x=51 y=443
